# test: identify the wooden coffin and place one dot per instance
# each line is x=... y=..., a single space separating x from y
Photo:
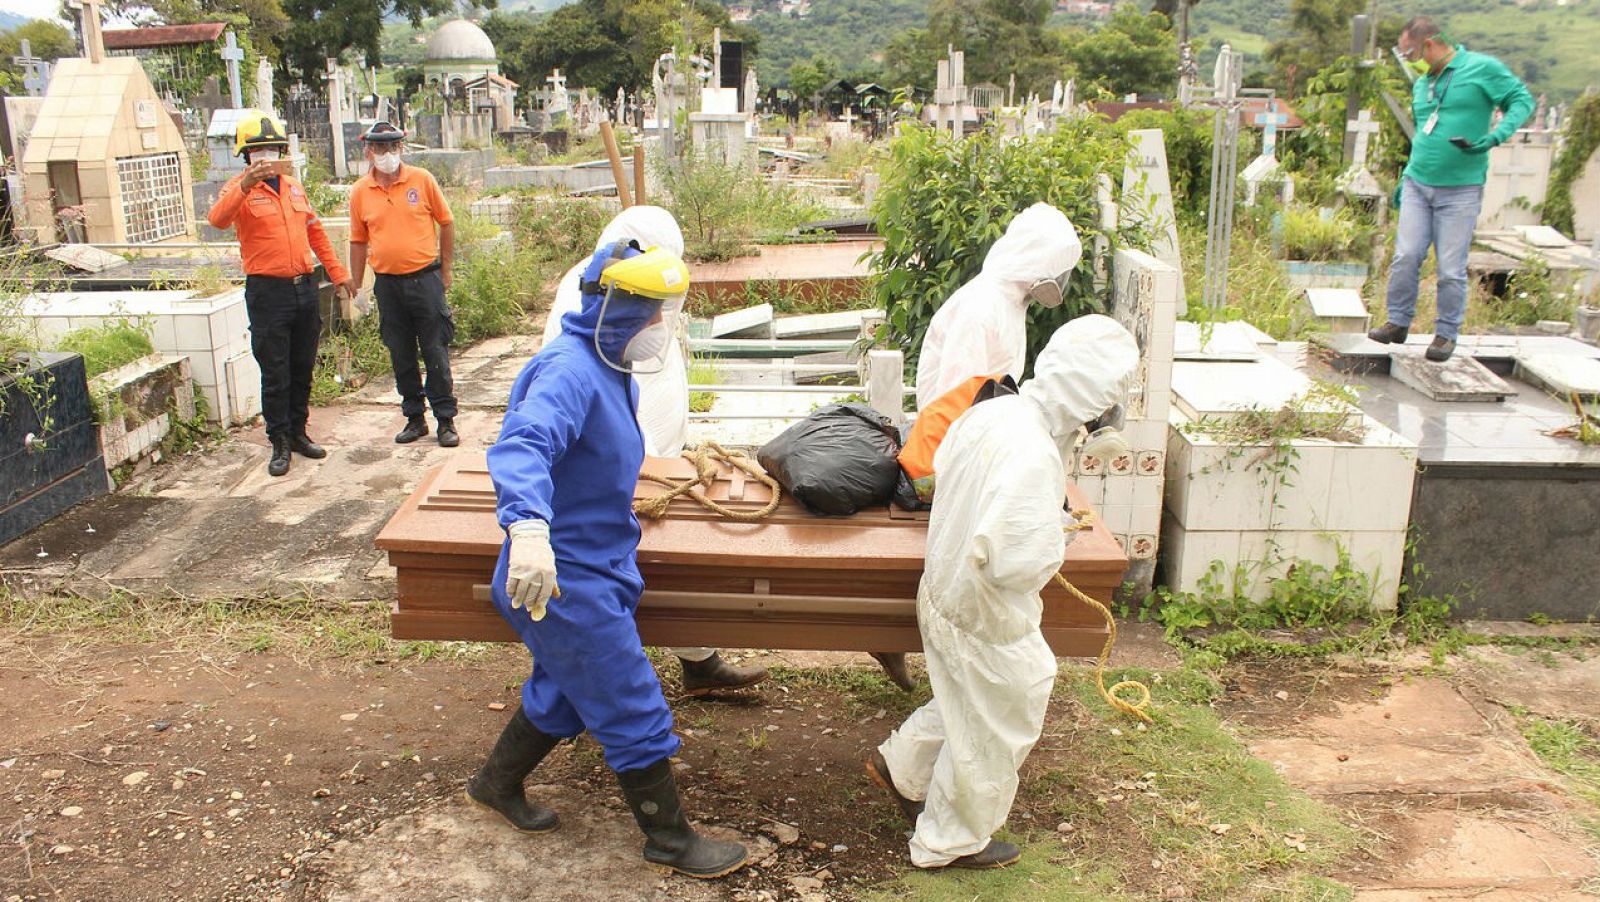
x=790 y=581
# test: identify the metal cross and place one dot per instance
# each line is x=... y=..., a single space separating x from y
x=233 y=55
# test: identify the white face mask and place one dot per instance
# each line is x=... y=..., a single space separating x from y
x=265 y=156
x=649 y=344
x=386 y=163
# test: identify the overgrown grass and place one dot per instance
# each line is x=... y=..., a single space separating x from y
x=349 y=357
x=1258 y=291
x=724 y=208
x=1312 y=234
x=1180 y=804
x=302 y=626
x=109 y=345
x=702 y=371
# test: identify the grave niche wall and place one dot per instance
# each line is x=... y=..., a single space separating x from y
x=64 y=466
x=1127 y=490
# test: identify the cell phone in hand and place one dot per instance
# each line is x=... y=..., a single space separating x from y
x=1461 y=142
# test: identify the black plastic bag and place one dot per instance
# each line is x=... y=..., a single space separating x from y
x=905 y=494
x=836 y=461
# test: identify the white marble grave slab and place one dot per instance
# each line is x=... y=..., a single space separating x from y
x=1221 y=342
x=1542 y=236
x=1205 y=389
x=1340 y=309
x=751 y=322
x=1461 y=378
x=85 y=257
x=845 y=324
x=1560 y=373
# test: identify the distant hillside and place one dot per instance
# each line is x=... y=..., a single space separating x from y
x=532 y=6
x=1550 y=44
x=9 y=21
x=853 y=32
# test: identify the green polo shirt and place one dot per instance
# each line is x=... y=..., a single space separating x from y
x=1472 y=86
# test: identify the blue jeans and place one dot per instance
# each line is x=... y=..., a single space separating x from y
x=1444 y=218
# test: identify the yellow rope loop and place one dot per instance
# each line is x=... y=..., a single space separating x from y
x=1138 y=708
x=704 y=458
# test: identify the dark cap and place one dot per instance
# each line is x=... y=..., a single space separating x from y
x=382 y=132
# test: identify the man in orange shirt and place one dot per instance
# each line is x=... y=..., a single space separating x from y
x=393 y=212
x=278 y=233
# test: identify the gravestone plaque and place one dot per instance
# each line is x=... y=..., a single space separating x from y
x=1147 y=193
x=1337 y=309
x=1461 y=378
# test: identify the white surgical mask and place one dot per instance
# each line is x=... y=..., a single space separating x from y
x=649 y=344
x=386 y=163
x=265 y=156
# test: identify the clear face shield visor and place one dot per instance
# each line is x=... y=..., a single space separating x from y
x=645 y=352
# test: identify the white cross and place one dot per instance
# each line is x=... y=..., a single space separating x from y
x=233 y=54
x=1363 y=127
x=1269 y=122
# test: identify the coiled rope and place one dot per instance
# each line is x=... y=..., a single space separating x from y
x=704 y=458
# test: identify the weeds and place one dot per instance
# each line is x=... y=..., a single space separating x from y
x=702 y=371
x=1321 y=235
x=349 y=357
x=723 y=208
x=109 y=345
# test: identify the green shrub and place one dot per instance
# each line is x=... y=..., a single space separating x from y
x=348 y=358
x=109 y=345
x=1317 y=235
x=1583 y=139
x=723 y=208
x=944 y=202
x=494 y=285
x=1187 y=135
x=1531 y=296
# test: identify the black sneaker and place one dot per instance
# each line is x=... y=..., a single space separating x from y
x=1390 y=334
x=1440 y=350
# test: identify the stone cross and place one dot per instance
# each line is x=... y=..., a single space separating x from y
x=1363 y=127
x=951 y=91
x=38 y=71
x=1011 y=90
x=1269 y=122
x=94 y=47
x=264 y=87
x=335 y=79
x=558 y=93
x=233 y=54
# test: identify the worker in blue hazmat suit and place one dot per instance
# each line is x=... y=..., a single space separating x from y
x=564 y=470
x=995 y=538
x=663 y=412
x=982 y=329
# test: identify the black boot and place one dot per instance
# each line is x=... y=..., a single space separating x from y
x=279 y=464
x=716 y=675
x=416 y=427
x=447 y=433
x=894 y=666
x=997 y=854
x=878 y=770
x=669 y=840
x=498 y=784
x=302 y=445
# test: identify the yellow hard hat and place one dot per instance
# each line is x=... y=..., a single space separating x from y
x=657 y=274
x=257 y=129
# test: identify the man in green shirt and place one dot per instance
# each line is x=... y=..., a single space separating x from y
x=1442 y=186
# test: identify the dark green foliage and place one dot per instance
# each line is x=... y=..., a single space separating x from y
x=851 y=33
x=944 y=203
x=1135 y=53
x=319 y=29
x=1188 y=140
x=1583 y=139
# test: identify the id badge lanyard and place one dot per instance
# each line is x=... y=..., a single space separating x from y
x=1443 y=89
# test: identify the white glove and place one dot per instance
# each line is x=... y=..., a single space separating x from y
x=363 y=301
x=531 y=567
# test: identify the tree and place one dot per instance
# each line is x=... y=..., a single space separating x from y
x=320 y=29
x=1000 y=38
x=806 y=79
x=1134 y=53
x=1319 y=33
x=259 y=24
x=48 y=40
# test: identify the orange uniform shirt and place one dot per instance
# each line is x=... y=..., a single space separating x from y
x=397 y=223
x=278 y=230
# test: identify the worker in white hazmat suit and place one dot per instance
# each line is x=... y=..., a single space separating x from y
x=995 y=538
x=982 y=329
x=663 y=412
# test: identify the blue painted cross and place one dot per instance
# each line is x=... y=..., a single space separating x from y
x=1269 y=123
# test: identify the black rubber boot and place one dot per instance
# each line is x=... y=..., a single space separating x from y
x=894 y=665
x=416 y=427
x=448 y=438
x=498 y=784
x=302 y=445
x=716 y=675
x=878 y=770
x=279 y=464
x=669 y=840
x=997 y=854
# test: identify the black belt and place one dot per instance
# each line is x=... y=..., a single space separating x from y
x=289 y=280
x=431 y=267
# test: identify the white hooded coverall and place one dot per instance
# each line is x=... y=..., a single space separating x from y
x=994 y=540
x=663 y=397
x=663 y=412
x=982 y=329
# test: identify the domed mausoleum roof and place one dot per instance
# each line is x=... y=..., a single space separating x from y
x=459 y=39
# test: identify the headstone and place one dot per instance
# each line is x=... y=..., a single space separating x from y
x=1227 y=75
x=751 y=322
x=85 y=257
x=751 y=92
x=950 y=93
x=1147 y=193
x=36 y=78
x=1264 y=168
x=232 y=54
x=1358 y=181
x=558 y=103
x=263 y=100
x=336 y=117
x=1337 y=309
x=1561 y=374
x=1461 y=378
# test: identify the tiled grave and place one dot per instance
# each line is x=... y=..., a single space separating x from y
x=213 y=332
x=1237 y=341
